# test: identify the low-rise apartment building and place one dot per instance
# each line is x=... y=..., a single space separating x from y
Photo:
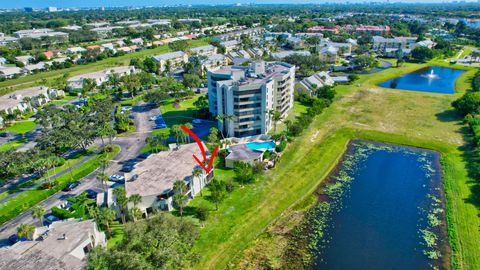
x=64 y=245
x=311 y=84
x=29 y=98
x=249 y=94
x=172 y=60
x=77 y=82
x=206 y=50
x=153 y=178
x=39 y=33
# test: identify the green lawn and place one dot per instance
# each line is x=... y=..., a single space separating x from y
x=361 y=110
x=11 y=145
x=29 y=198
x=21 y=127
x=117 y=234
x=35 y=79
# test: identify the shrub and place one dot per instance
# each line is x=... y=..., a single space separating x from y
x=279 y=148
x=202 y=212
x=230 y=186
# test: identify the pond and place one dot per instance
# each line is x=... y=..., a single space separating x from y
x=430 y=79
x=382 y=208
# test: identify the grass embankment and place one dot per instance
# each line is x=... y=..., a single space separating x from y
x=29 y=198
x=21 y=127
x=35 y=79
x=364 y=111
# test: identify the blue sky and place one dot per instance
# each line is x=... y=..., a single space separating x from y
x=116 y=3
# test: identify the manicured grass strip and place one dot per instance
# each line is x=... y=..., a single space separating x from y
x=11 y=145
x=29 y=198
x=117 y=234
x=21 y=127
x=35 y=79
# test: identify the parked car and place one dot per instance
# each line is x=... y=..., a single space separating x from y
x=14 y=239
x=143 y=156
x=71 y=186
x=127 y=168
x=49 y=218
x=117 y=178
x=91 y=194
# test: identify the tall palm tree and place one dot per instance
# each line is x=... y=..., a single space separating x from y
x=276 y=117
x=223 y=118
x=122 y=201
x=38 y=212
x=177 y=133
x=107 y=215
x=103 y=178
x=179 y=197
x=187 y=136
x=136 y=199
x=197 y=173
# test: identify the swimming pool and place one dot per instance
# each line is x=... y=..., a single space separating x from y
x=261 y=146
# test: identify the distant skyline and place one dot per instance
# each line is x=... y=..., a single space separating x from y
x=139 y=3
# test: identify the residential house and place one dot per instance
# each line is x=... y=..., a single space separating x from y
x=153 y=178
x=230 y=45
x=77 y=82
x=283 y=54
x=249 y=93
x=39 y=33
x=95 y=48
x=214 y=61
x=64 y=245
x=75 y=50
x=171 y=60
x=328 y=54
x=206 y=50
x=10 y=72
x=104 y=31
x=49 y=54
x=29 y=98
x=24 y=59
x=310 y=84
x=381 y=44
x=35 y=67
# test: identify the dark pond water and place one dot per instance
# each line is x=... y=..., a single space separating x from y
x=430 y=79
x=381 y=212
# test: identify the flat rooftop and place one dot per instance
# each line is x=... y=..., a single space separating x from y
x=13 y=99
x=272 y=69
x=158 y=172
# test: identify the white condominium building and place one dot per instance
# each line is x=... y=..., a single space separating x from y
x=246 y=96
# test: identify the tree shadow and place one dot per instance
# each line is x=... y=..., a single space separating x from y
x=449 y=116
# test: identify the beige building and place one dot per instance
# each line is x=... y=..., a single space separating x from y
x=249 y=93
x=64 y=245
x=154 y=177
x=173 y=60
x=77 y=82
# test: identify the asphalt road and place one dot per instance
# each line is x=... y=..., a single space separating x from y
x=131 y=145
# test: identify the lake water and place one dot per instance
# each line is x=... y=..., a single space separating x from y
x=379 y=219
x=441 y=81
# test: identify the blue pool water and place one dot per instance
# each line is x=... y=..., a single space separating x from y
x=430 y=79
x=259 y=146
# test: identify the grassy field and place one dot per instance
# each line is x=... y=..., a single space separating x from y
x=21 y=127
x=361 y=110
x=29 y=198
x=35 y=79
x=12 y=145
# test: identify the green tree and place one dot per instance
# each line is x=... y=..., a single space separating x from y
x=217 y=192
x=180 y=199
x=38 y=212
x=202 y=213
x=25 y=231
x=106 y=216
x=122 y=201
x=276 y=117
x=243 y=172
x=422 y=54
x=103 y=178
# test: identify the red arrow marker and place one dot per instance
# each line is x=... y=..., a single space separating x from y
x=204 y=154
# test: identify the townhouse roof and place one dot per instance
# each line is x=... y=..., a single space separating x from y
x=156 y=174
x=168 y=56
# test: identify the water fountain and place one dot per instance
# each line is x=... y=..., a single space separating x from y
x=432 y=75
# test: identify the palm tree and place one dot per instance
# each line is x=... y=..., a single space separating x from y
x=107 y=215
x=103 y=178
x=276 y=117
x=189 y=126
x=25 y=231
x=179 y=198
x=197 y=173
x=135 y=213
x=38 y=212
x=223 y=118
x=136 y=199
x=122 y=201
x=177 y=133
x=104 y=162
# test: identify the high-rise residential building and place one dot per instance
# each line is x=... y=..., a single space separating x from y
x=246 y=96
